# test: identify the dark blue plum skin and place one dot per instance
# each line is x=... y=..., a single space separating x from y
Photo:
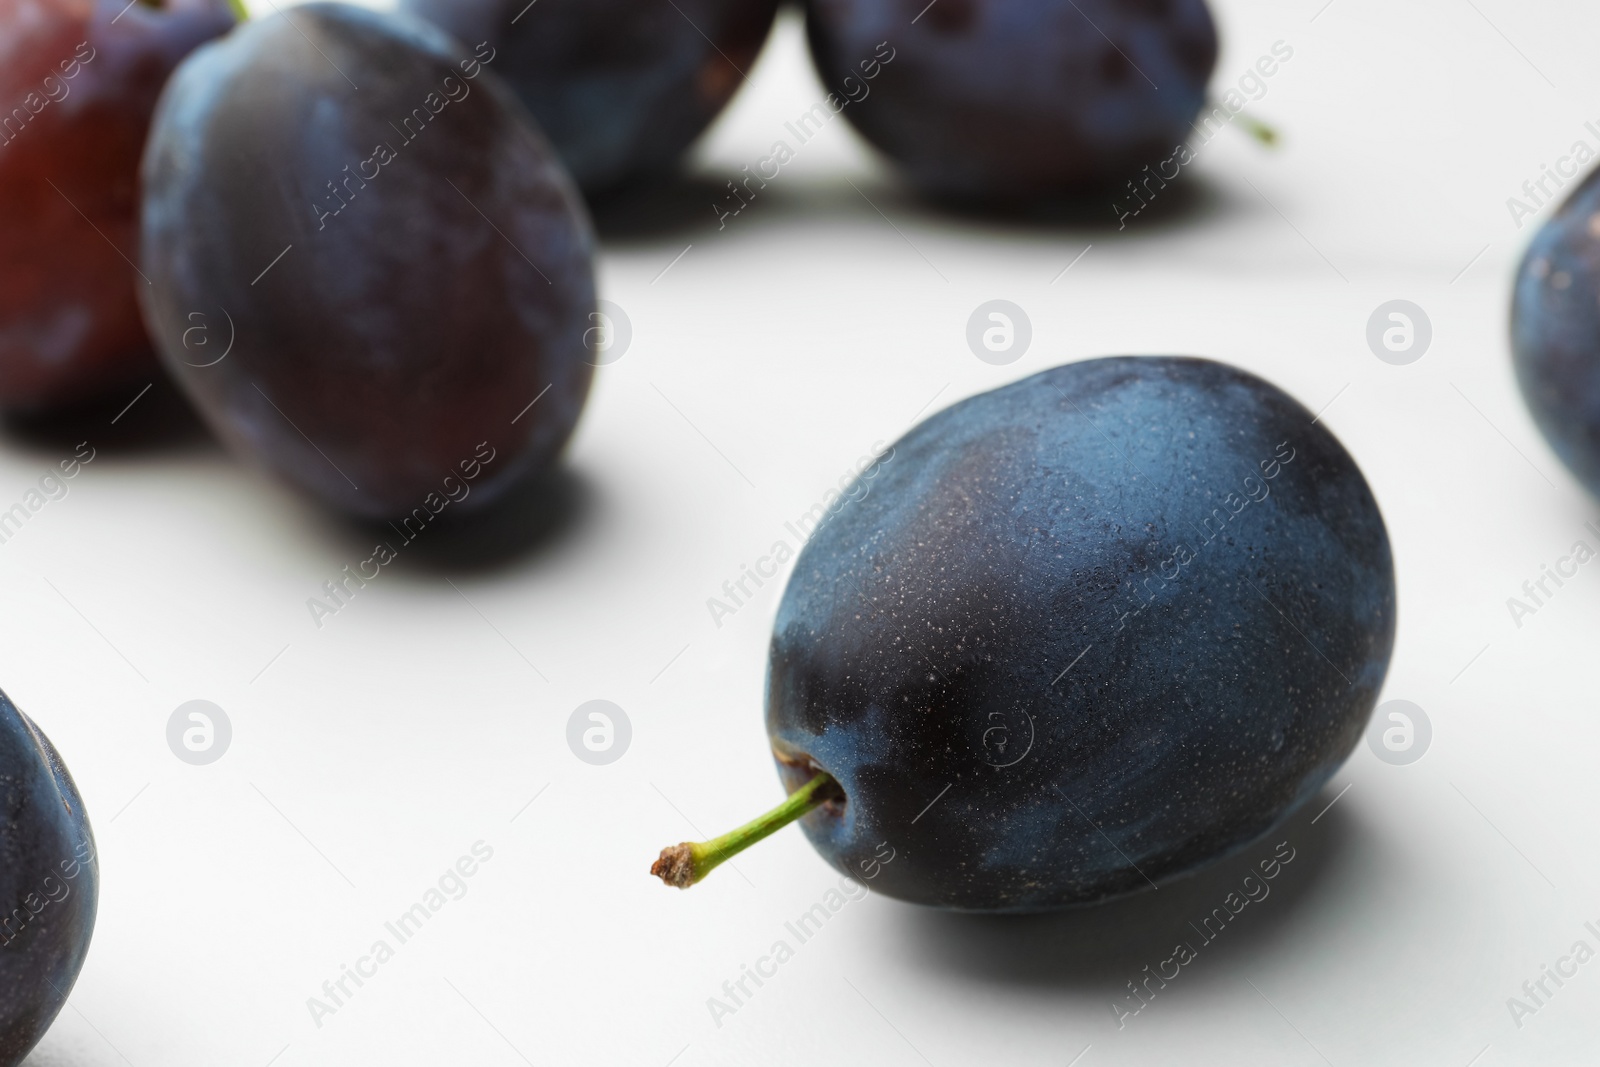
x=621 y=87
x=396 y=337
x=1002 y=101
x=1555 y=331
x=49 y=883
x=1050 y=600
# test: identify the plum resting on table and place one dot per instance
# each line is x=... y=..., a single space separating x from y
x=78 y=81
x=1017 y=100
x=1082 y=634
x=362 y=210
x=1555 y=331
x=49 y=883
x=621 y=87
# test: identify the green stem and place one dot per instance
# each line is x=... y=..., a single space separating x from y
x=685 y=864
x=1260 y=131
x=1254 y=127
x=240 y=12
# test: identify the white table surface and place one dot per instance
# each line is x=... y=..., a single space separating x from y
x=375 y=751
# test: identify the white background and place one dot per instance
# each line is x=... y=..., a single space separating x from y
x=374 y=752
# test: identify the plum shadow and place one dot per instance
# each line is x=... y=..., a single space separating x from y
x=668 y=206
x=55 y=1054
x=685 y=208
x=130 y=421
x=534 y=515
x=1191 y=201
x=1098 y=949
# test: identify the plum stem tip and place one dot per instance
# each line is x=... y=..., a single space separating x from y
x=685 y=864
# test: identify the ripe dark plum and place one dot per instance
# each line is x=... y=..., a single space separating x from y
x=1077 y=636
x=621 y=87
x=49 y=883
x=1016 y=100
x=1131 y=611
x=1555 y=331
x=78 y=81
x=371 y=272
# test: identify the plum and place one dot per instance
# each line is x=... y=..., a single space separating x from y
x=1555 y=331
x=49 y=883
x=1013 y=101
x=621 y=87
x=370 y=271
x=78 y=82
x=1077 y=636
